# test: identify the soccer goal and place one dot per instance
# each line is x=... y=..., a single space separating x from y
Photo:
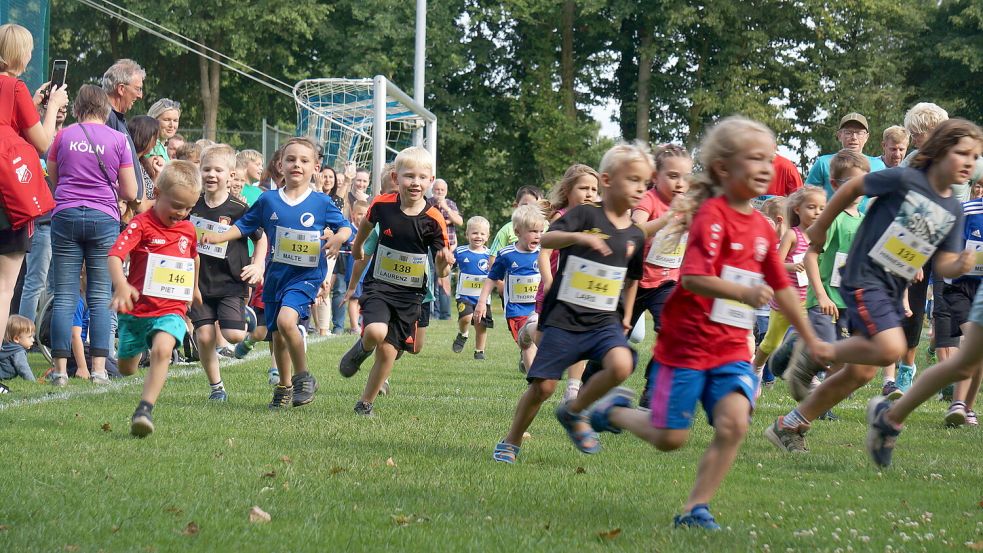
x=363 y=121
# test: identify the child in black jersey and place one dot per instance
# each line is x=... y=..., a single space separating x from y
x=396 y=280
x=600 y=257
x=226 y=270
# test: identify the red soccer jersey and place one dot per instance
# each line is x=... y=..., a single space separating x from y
x=787 y=178
x=719 y=237
x=654 y=275
x=171 y=247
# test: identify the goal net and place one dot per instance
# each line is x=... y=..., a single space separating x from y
x=362 y=121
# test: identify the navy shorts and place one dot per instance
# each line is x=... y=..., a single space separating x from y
x=561 y=348
x=873 y=310
x=675 y=391
x=652 y=300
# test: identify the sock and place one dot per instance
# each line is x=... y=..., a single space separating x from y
x=479 y=351
x=574 y=383
x=218 y=386
x=465 y=333
x=793 y=419
x=145 y=406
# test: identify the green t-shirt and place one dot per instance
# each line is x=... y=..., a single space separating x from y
x=251 y=194
x=839 y=238
x=160 y=150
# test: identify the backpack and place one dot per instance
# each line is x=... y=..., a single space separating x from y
x=24 y=194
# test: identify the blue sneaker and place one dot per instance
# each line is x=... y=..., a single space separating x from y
x=243 y=348
x=881 y=435
x=599 y=412
x=218 y=395
x=906 y=375
x=250 y=317
x=586 y=441
x=699 y=517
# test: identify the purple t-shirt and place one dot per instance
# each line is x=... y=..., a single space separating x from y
x=80 y=181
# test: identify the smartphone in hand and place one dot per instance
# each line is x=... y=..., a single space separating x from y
x=59 y=73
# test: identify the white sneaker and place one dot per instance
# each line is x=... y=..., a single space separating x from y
x=58 y=380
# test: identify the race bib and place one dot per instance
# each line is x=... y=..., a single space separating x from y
x=733 y=312
x=800 y=276
x=976 y=247
x=169 y=277
x=671 y=259
x=396 y=267
x=470 y=285
x=900 y=252
x=591 y=284
x=838 y=263
x=204 y=225
x=522 y=289
x=300 y=248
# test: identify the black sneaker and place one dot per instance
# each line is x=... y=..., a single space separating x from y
x=458 y=345
x=283 y=397
x=352 y=360
x=304 y=387
x=363 y=408
x=142 y=423
x=479 y=356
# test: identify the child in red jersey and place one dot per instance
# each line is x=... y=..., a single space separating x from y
x=162 y=283
x=729 y=268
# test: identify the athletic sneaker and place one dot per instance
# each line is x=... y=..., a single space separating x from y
x=58 y=380
x=881 y=435
x=791 y=440
x=971 y=418
x=522 y=365
x=304 y=387
x=250 y=317
x=142 y=423
x=479 y=356
x=363 y=408
x=829 y=416
x=99 y=379
x=505 y=453
x=599 y=413
x=891 y=391
x=698 y=517
x=218 y=395
x=351 y=362
x=800 y=372
x=906 y=375
x=226 y=351
x=243 y=348
x=283 y=397
x=458 y=345
x=956 y=415
x=4 y=389
x=273 y=376
x=384 y=391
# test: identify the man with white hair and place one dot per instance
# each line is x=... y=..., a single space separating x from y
x=123 y=83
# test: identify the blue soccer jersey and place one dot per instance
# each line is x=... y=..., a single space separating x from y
x=293 y=229
x=973 y=232
x=520 y=272
x=473 y=270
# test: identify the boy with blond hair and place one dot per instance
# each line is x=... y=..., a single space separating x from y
x=472 y=265
x=13 y=356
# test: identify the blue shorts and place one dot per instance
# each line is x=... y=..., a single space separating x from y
x=675 y=391
x=297 y=299
x=561 y=348
x=872 y=310
x=136 y=334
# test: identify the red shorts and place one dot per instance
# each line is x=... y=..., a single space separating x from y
x=516 y=324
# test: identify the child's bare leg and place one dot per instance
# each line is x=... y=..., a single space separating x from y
x=973 y=388
x=481 y=337
x=286 y=323
x=421 y=335
x=128 y=366
x=576 y=371
x=382 y=367
x=353 y=312
x=618 y=364
x=281 y=357
x=525 y=412
x=160 y=360
x=639 y=423
x=528 y=355
x=463 y=323
x=730 y=423
x=373 y=335
x=205 y=335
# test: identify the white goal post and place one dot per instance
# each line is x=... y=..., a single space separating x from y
x=362 y=121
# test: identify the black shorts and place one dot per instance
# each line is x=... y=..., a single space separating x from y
x=942 y=323
x=228 y=311
x=958 y=297
x=466 y=309
x=426 y=310
x=917 y=294
x=401 y=315
x=15 y=241
x=652 y=300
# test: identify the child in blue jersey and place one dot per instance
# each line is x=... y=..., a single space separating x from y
x=517 y=267
x=299 y=223
x=472 y=264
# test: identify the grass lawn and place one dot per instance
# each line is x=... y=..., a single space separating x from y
x=419 y=475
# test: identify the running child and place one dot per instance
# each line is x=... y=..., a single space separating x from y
x=915 y=218
x=163 y=280
x=472 y=265
x=600 y=249
x=516 y=269
x=396 y=280
x=226 y=270
x=730 y=267
x=298 y=223
x=526 y=195
x=804 y=206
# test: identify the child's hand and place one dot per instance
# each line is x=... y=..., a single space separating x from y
x=827 y=306
x=966 y=261
x=595 y=243
x=447 y=255
x=479 y=314
x=822 y=352
x=333 y=245
x=209 y=237
x=919 y=276
x=252 y=274
x=757 y=296
x=324 y=294
x=816 y=235
x=349 y=293
x=123 y=298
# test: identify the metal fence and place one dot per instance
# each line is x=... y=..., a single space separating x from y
x=267 y=139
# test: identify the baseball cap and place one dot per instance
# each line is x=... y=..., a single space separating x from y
x=855 y=118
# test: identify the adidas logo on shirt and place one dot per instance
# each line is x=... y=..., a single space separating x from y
x=274 y=217
x=515 y=265
x=466 y=260
x=976 y=233
x=388 y=232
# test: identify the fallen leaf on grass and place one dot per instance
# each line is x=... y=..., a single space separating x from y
x=258 y=516
x=981 y=504
x=231 y=442
x=106 y=427
x=580 y=470
x=114 y=529
x=191 y=529
x=526 y=435
x=975 y=546
x=390 y=462
x=336 y=470
x=174 y=510
x=4 y=527
x=72 y=547
x=271 y=474
x=406 y=520
x=286 y=459
x=610 y=534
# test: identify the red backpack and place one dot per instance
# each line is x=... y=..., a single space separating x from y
x=24 y=194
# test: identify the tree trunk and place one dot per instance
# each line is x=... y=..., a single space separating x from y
x=210 y=73
x=566 y=60
x=626 y=75
x=643 y=109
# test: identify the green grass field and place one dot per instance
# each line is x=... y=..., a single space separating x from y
x=75 y=480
